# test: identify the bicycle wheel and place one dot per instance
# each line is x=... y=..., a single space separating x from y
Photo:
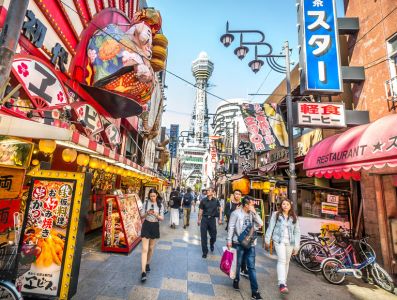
x=311 y=254
x=330 y=270
x=8 y=291
x=382 y=278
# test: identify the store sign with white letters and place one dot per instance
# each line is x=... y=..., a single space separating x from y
x=319 y=55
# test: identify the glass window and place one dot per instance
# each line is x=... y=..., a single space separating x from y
x=392 y=53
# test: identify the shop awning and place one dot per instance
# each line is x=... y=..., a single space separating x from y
x=19 y=127
x=344 y=155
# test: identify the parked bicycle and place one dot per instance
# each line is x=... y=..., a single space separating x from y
x=9 y=269
x=312 y=252
x=361 y=257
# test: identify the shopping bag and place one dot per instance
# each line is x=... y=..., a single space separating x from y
x=229 y=262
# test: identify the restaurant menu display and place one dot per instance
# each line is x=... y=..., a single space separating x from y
x=260 y=211
x=49 y=235
x=122 y=223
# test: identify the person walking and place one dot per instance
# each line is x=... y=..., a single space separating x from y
x=175 y=204
x=187 y=206
x=240 y=220
x=222 y=203
x=209 y=210
x=235 y=202
x=152 y=211
x=285 y=232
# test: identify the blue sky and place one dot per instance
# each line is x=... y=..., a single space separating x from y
x=195 y=26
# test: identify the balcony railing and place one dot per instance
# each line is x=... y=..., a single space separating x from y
x=391 y=93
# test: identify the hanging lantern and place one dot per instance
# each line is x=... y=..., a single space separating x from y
x=35 y=162
x=242 y=184
x=266 y=187
x=47 y=146
x=108 y=169
x=94 y=163
x=69 y=155
x=119 y=171
x=83 y=160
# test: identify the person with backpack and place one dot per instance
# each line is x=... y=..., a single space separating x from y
x=243 y=224
x=284 y=231
x=187 y=201
x=175 y=204
x=152 y=211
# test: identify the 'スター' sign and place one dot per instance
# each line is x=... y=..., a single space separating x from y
x=318 y=38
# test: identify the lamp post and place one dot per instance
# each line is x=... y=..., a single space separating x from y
x=255 y=66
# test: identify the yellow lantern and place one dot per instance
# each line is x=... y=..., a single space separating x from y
x=119 y=171
x=266 y=187
x=83 y=160
x=69 y=155
x=35 y=162
x=47 y=146
x=242 y=184
x=94 y=163
x=103 y=164
x=108 y=169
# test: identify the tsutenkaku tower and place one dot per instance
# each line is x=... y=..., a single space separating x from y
x=202 y=69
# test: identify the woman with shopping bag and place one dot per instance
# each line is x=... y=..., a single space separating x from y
x=284 y=231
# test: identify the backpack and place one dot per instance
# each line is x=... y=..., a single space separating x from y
x=187 y=199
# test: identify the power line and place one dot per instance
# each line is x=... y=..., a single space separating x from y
x=173 y=74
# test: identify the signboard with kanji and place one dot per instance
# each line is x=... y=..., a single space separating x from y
x=52 y=234
x=246 y=161
x=265 y=126
x=319 y=55
x=174 y=133
x=321 y=115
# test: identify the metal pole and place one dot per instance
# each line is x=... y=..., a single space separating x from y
x=233 y=149
x=9 y=39
x=292 y=176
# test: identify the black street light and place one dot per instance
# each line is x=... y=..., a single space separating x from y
x=255 y=66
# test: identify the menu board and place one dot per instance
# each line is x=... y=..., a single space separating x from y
x=122 y=223
x=50 y=233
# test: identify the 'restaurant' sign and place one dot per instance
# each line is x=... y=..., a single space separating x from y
x=319 y=55
x=321 y=115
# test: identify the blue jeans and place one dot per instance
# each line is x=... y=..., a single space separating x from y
x=249 y=255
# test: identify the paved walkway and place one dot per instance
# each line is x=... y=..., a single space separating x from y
x=179 y=273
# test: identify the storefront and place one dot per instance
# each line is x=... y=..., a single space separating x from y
x=368 y=154
x=63 y=135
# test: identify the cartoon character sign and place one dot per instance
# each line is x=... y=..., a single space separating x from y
x=121 y=59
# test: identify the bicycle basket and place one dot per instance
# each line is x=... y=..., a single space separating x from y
x=9 y=258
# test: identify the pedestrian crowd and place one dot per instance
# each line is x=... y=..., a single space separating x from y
x=242 y=222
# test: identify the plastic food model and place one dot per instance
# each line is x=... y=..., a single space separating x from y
x=121 y=59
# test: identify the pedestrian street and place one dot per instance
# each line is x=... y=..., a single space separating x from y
x=178 y=272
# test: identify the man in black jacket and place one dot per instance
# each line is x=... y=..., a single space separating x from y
x=175 y=204
x=210 y=209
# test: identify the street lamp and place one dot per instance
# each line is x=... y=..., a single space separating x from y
x=255 y=66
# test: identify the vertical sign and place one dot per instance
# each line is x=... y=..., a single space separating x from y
x=318 y=38
x=174 y=133
x=245 y=152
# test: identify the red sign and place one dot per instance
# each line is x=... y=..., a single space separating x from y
x=7 y=210
x=113 y=135
x=89 y=118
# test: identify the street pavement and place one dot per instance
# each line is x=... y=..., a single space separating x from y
x=178 y=272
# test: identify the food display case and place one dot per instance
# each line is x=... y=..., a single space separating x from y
x=122 y=223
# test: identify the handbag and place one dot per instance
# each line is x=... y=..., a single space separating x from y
x=248 y=236
x=271 y=237
x=229 y=262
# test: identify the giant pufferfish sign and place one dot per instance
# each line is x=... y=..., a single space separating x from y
x=120 y=60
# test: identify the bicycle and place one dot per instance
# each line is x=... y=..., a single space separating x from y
x=312 y=252
x=335 y=270
x=9 y=258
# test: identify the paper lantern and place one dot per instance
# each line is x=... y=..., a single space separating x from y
x=47 y=146
x=243 y=185
x=35 y=162
x=108 y=169
x=94 y=163
x=83 y=160
x=119 y=171
x=69 y=155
